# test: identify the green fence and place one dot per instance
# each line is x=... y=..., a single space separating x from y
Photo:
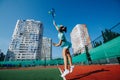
x=80 y=58
x=107 y=50
x=30 y=63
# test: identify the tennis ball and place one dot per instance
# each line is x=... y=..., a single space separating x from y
x=49 y=12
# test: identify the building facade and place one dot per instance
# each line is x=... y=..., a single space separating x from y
x=80 y=38
x=46 y=49
x=26 y=41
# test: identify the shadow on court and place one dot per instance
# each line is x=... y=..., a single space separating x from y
x=94 y=72
x=87 y=74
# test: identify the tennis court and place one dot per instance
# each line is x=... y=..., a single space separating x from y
x=80 y=72
x=35 y=73
x=94 y=72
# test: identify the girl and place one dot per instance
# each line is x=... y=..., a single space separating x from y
x=65 y=46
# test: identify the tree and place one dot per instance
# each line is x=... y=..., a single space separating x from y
x=2 y=56
x=96 y=44
x=109 y=35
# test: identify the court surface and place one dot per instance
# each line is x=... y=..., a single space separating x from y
x=94 y=72
x=80 y=72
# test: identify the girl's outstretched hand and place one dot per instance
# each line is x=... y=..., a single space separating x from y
x=54 y=23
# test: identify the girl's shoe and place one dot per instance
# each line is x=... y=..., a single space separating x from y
x=65 y=73
x=71 y=69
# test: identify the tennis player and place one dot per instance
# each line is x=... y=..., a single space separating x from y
x=65 y=48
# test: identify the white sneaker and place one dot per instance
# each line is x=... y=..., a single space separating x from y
x=71 y=69
x=65 y=73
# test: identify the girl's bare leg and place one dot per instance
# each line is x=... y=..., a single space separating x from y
x=65 y=58
x=69 y=57
x=65 y=63
x=70 y=61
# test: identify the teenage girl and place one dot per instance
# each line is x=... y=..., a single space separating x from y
x=65 y=48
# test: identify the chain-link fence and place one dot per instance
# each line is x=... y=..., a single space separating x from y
x=105 y=48
x=32 y=63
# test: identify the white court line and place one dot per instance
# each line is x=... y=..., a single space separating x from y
x=61 y=73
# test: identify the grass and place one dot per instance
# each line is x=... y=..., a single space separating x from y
x=39 y=74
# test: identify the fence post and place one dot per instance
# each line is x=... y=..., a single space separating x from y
x=88 y=55
x=118 y=58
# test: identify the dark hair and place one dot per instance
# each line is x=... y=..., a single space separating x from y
x=61 y=30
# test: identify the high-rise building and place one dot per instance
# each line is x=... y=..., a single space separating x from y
x=80 y=38
x=46 y=53
x=26 y=41
x=0 y=51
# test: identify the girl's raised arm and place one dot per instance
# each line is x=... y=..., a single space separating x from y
x=54 y=23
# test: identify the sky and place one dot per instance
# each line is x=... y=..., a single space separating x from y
x=96 y=14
